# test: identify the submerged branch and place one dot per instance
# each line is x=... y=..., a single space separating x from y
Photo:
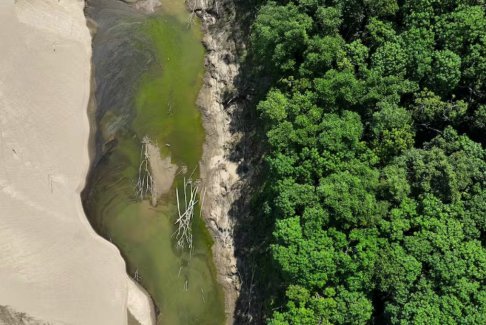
x=145 y=181
x=185 y=212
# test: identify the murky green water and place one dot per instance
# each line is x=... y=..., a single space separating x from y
x=148 y=71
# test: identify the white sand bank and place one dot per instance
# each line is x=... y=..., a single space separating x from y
x=53 y=266
x=140 y=303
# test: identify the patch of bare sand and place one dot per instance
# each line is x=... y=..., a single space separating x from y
x=162 y=169
x=53 y=266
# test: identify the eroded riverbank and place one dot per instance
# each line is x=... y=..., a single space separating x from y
x=233 y=153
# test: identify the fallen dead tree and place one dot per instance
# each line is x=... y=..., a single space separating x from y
x=185 y=210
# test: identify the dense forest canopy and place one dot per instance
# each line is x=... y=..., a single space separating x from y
x=375 y=194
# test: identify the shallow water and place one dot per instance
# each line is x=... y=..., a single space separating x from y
x=148 y=71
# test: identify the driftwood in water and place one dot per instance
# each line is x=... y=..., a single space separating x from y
x=185 y=210
x=145 y=181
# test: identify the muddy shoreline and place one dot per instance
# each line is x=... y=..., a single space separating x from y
x=221 y=165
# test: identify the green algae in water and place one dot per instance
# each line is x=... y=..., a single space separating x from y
x=182 y=284
x=171 y=90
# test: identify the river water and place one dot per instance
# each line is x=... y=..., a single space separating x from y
x=148 y=71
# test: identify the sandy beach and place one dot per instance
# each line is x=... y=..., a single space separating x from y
x=53 y=266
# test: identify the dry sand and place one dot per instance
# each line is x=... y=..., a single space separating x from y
x=53 y=266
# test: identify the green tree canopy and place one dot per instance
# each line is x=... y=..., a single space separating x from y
x=374 y=186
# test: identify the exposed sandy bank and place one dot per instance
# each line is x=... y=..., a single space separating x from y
x=140 y=304
x=53 y=266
